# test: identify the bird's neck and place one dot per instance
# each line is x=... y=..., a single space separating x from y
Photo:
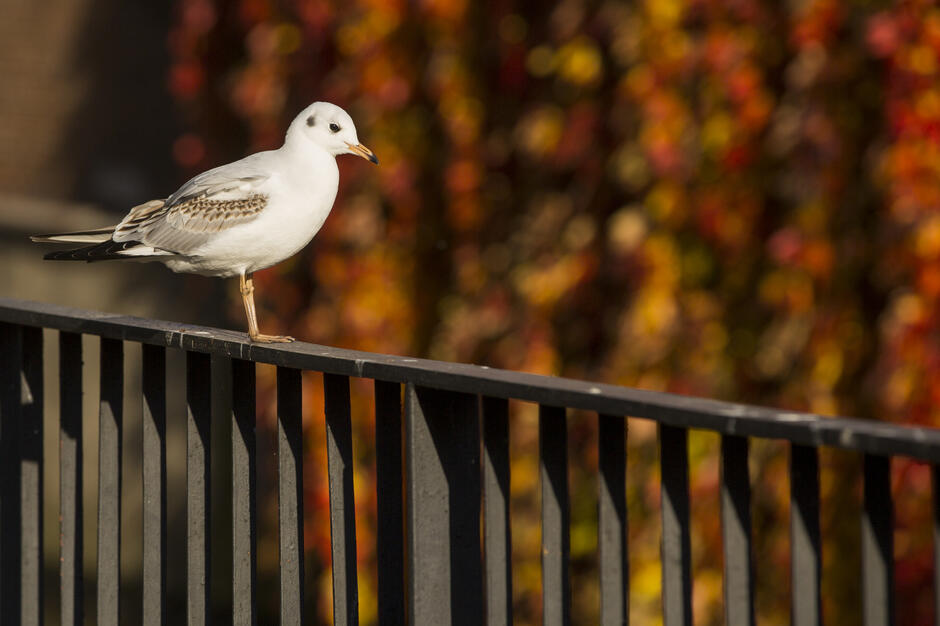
x=300 y=150
x=308 y=164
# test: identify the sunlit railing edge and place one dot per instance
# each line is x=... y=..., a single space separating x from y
x=729 y=418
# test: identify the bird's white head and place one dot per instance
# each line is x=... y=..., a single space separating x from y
x=329 y=127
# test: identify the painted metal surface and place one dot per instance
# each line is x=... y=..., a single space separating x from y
x=442 y=460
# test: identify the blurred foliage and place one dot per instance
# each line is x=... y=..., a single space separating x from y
x=731 y=199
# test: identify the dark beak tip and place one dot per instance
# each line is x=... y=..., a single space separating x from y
x=374 y=159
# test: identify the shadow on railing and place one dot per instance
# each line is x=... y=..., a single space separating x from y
x=433 y=499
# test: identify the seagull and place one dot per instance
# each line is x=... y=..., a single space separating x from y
x=238 y=218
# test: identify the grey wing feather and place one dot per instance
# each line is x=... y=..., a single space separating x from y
x=220 y=179
x=208 y=203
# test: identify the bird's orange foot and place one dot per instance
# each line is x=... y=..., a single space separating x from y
x=259 y=338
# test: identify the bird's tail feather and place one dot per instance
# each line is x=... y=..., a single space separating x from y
x=103 y=252
x=98 y=235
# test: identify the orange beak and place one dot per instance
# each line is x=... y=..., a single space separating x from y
x=365 y=153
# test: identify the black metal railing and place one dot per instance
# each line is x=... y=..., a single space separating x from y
x=431 y=500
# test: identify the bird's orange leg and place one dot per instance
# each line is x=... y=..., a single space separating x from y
x=247 y=288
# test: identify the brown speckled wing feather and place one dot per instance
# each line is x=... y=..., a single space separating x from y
x=187 y=225
x=205 y=215
x=209 y=203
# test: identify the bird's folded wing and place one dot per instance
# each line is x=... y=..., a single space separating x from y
x=209 y=203
x=244 y=174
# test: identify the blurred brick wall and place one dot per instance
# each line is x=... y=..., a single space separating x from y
x=84 y=110
x=40 y=95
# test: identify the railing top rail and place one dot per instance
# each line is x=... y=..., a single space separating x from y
x=676 y=410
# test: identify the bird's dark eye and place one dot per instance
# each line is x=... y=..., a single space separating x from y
x=334 y=128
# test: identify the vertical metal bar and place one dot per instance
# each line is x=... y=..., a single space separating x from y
x=198 y=465
x=553 y=459
x=31 y=479
x=736 y=531
x=221 y=488
x=935 y=485
x=612 y=520
x=70 y=479
x=153 y=383
x=497 y=539
x=442 y=457
x=676 y=548
x=342 y=500
x=110 y=416
x=878 y=543
x=10 y=487
x=390 y=538
x=290 y=457
x=244 y=511
x=805 y=556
